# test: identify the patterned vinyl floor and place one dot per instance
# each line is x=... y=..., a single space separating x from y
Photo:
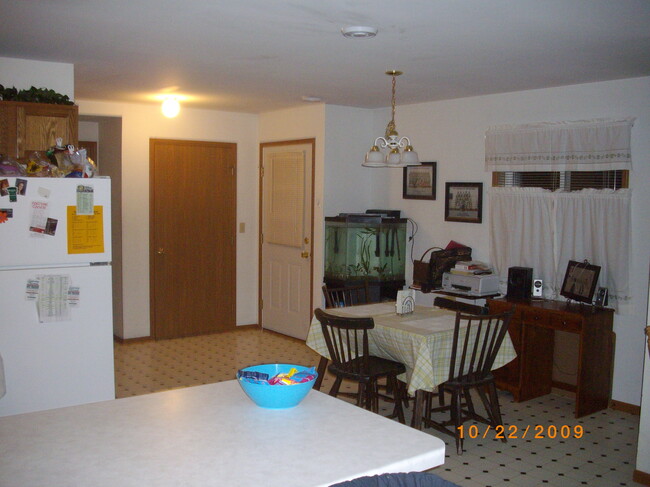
x=604 y=455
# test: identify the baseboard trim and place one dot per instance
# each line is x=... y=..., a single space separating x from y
x=564 y=386
x=132 y=340
x=150 y=338
x=625 y=407
x=640 y=477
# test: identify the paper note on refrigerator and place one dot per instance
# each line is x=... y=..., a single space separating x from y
x=85 y=200
x=52 y=301
x=39 y=216
x=86 y=232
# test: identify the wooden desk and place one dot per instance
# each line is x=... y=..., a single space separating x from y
x=532 y=331
x=210 y=435
x=444 y=292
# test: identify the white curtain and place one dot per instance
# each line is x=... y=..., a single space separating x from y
x=596 y=225
x=586 y=145
x=541 y=229
x=521 y=230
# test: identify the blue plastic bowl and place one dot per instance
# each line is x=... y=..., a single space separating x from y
x=276 y=397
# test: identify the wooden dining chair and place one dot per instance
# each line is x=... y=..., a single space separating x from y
x=476 y=342
x=467 y=308
x=454 y=305
x=346 y=296
x=347 y=344
x=340 y=297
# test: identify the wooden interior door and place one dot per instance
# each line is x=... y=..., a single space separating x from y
x=192 y=241
x=286 y=221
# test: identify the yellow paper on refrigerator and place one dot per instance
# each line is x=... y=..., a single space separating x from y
x=85 y=232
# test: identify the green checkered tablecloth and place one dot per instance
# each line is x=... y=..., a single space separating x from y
x=422 y=341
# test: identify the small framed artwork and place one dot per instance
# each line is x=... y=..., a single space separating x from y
x=464 y=202
x=580 y=281
x=419 y=182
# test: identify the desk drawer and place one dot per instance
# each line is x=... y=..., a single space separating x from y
x=503 y=306
x=537 y=317
x=566 y=323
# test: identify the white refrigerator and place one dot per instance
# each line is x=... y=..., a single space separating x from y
x=56 y=316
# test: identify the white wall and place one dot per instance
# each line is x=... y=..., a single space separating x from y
x=452 y=133
x=23 y=74
x=304 y=122
x=350 y=187
x=109 y=163
x=89 y=131
x=643 y=451
x=139 y=124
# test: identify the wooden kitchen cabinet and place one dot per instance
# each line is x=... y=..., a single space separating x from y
x=28 y=127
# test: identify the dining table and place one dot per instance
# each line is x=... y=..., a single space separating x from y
x=421 y=340
x=208 y=435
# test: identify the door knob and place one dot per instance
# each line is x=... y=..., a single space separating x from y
x=160 y=251
x=305 y=255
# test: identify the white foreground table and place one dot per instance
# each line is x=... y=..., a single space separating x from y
x=210 y=435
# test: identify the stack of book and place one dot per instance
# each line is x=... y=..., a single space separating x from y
x=470 y=268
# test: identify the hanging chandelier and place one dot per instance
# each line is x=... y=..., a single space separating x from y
x=391 y=143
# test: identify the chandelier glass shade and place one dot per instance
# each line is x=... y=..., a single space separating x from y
x=391 y=150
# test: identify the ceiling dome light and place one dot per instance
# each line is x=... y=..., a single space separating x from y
x=359 y=32
x=171 y=107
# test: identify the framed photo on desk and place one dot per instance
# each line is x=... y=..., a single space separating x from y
x=580 y=281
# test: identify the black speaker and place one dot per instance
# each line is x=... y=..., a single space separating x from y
x=520 y=282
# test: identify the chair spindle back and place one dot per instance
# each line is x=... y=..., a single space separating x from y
x=346 y=296
x=346 y=339
x=476 y=342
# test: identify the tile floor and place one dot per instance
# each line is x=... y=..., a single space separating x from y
x=604 y=456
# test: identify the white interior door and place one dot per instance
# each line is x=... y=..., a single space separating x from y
x=286 y=240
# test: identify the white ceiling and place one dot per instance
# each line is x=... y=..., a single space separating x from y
x=260 y=55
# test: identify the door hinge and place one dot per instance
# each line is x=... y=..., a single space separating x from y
x=262 y=238
x=261 y=304
x=261 y=171
x=232 y=171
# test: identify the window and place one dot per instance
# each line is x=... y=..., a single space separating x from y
x=560 y=193
x=564 y=180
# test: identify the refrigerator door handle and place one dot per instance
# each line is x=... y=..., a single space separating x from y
x=49 y=266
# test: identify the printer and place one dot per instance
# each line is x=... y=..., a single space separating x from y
x=475 y=285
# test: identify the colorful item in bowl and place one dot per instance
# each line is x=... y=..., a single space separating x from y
x=277 y=386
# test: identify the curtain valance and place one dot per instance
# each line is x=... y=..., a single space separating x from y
x=590 y=145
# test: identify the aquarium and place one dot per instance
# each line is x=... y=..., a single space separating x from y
x=364 y=247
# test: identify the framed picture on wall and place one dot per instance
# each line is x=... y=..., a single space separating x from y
x=419 y=182
x=464 y=202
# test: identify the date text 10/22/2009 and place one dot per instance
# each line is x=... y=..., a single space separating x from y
x=512 y=431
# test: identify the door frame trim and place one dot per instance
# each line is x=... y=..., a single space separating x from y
x=152 y=142
x=280 y=143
